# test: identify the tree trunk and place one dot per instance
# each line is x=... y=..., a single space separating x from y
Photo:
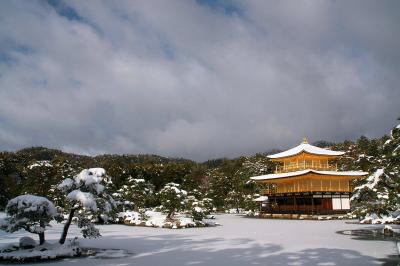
x=41 y=238
x=66 y=226
x=41 y=235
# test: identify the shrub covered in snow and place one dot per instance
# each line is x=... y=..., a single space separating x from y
x=172 y=198
x=198 y=214
x=89 y=200
x=26 y=242
x=198 y=209
x=207 y=205
x=31 y=213
x=249 y=202
x=137 y=192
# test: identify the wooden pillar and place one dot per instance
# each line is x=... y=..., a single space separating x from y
x=312 y=204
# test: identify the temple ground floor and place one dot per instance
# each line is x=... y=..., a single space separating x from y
x=307 y=203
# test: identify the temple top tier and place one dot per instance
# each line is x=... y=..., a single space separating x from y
x=307 y=150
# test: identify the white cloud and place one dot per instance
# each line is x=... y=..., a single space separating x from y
x=181 y=79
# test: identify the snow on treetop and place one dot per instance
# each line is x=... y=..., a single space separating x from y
x=198 y=209
x=174 y=187
x=32 y=203
x=87 y=177
x=305 y=147
x=66 y=184
x=85 y=199
x=90 y=176
x=44 y=163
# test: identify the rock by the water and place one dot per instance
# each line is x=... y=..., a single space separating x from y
x=27 y=242
x=388 y=231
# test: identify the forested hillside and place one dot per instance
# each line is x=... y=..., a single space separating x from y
x=39 y=170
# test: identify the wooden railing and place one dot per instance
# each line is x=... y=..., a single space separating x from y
x=305 y=165
x=302 y=209
x=295 y=189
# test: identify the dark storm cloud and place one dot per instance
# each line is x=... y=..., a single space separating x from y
x=196 y=79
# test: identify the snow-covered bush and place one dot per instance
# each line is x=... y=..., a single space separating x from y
x=198 y=214
x=27 y=242
x=135 y=193
x=31 y=213
x=207 y=205
x=88 y=199
x=172 y=198
x=190 y=203
x=235 y=200
x=192 y=206
x=198 y=209
x=249 y=202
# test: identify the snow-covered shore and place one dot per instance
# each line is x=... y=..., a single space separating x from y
x=239 y=241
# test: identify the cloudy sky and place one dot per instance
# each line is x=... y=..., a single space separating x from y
x=196 y=79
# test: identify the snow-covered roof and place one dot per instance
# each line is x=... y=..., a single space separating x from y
x=305 y=147
x=306 y=171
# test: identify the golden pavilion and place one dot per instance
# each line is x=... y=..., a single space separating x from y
x=307 y=181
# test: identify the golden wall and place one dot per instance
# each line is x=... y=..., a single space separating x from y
x=310 y=183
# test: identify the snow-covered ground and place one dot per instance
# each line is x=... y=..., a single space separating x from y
x=239 y=241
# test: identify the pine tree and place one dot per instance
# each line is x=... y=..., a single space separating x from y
x=88 y=199
x=137 y=192
x=172 y=198
x=378 y=195
x=31 y=213
x=39 y=177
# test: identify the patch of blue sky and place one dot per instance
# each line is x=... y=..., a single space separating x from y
x=168 y=50
x=223 y=6
x=64 y=10
x=9 y=51
x=6 y=58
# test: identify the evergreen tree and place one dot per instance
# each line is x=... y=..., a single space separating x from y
x=137 y=192
x=31 y=213
x=39 y=177
x=378 y=195
x=172 y=198
x=88 y=200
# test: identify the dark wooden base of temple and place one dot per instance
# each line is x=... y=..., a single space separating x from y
x=307 y=203
x=287 y=216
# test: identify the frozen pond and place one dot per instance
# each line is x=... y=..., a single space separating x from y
x=239 y=241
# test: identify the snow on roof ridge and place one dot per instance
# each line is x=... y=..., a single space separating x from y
x=302 y=172
x=304 y=146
